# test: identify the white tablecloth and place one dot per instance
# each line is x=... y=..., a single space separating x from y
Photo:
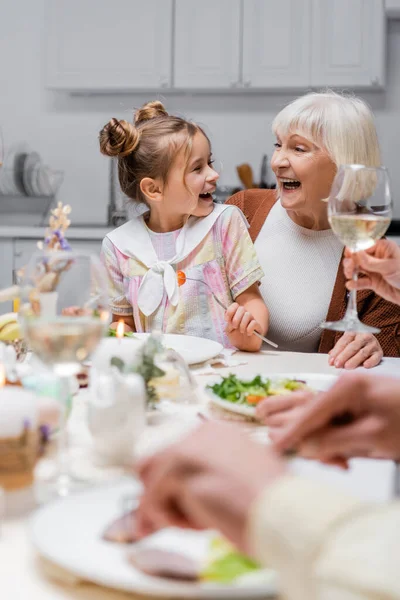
x=23 y=575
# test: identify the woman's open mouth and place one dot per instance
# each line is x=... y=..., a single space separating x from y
x=289 y=184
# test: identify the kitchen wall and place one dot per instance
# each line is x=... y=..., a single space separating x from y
x=64 y=129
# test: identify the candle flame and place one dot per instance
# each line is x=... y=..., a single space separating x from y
x=120 y=329
x=2 y=376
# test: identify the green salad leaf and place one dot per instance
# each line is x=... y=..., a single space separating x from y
x=237 y=390
x=225 y=563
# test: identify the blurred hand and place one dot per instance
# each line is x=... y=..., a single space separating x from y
x=372 y=402
x=281 y=411
x=355 y=350
x=208 y=480
x=381 y=266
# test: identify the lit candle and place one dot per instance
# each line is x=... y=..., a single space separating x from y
x=120 y=331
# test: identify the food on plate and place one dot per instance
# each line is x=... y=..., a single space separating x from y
x=251 y=392
x=122 y=530
x=10 y=329
x=181 y=277
x=164 y=563
x=222 y=563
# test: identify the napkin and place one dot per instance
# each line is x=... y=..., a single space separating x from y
x=223 y=359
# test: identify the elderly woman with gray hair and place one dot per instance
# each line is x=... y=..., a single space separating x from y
x=304 y=283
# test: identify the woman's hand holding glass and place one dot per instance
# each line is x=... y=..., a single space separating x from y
x=380 y=267
x=359 y=212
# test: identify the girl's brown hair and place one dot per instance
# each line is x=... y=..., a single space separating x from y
x=148 y=147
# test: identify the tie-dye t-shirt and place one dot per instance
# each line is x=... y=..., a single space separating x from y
x=225 y=260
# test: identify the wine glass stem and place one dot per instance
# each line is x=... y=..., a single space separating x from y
x=351 y=311
x=63 y=463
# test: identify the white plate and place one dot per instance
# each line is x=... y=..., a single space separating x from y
x=317 y=381
x=68 y=532
x=193 y=349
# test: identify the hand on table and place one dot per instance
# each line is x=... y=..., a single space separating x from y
x=208 y=480
x=355 y=350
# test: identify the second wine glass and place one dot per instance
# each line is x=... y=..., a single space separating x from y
x=359 y=212
x=64 y=311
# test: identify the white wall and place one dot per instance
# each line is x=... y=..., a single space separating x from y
x=64 y=129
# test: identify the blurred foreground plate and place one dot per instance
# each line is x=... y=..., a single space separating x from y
x=69 y=533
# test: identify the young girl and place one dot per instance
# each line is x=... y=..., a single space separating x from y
x=165 y=162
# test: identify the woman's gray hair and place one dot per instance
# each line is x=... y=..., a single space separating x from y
x=340 y=123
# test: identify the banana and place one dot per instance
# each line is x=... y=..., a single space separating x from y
x=10 y=329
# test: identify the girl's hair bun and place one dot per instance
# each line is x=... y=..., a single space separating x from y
x=148 y=111
x=118 y=138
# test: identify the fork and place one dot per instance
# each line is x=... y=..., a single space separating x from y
x=222 y=305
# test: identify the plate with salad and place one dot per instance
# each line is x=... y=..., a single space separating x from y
x=243 y=395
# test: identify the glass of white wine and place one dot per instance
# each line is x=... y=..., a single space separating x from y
x=359 y=212
x=64 y=314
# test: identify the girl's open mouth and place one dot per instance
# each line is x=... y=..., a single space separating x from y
x=206 y=196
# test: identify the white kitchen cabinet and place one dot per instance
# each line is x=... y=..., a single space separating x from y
x=392 y=9
x=207 y=44
x=124 y=44
x=215 y=44
x=348 y=43
x=276 y=43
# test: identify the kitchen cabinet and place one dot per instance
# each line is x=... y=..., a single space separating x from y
x=348 y=43
x=392 y=8
x=276 y=43
x=215 y=44
x=124 y=44
x=207 y=44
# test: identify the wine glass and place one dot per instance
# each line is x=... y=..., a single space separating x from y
x=64 y=314
x=359 y=212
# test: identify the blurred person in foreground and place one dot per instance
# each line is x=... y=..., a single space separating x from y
x=324 y=544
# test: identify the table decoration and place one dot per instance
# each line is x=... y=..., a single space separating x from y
x=116 y=416
x=19 y=437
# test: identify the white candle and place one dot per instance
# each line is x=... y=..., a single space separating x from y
x=126 y=349
x=18 y=410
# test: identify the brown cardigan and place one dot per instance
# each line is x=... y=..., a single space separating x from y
x=372 y=309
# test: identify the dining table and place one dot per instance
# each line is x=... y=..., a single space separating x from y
x=24 y=574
